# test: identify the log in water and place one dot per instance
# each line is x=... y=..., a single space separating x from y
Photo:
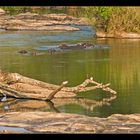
x=18 y=86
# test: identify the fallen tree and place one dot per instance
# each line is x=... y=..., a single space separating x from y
x=18 y=86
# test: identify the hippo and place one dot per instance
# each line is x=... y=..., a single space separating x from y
x=76 y=46
x=29 y=53
x=63 y=46
x=52 y=51
x=23 y=51
x=87 y=45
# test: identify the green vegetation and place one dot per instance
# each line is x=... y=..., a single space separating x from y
x=13 y=10
x=110 y=19
x=124 y=19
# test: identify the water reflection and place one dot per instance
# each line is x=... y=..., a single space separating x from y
x=55 y=105
x=128 y=67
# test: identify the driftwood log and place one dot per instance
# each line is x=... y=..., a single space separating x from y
x=18 y=86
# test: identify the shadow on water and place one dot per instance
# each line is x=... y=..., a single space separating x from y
x=56 y=105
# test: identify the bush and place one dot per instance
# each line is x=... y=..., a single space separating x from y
x=12 y=10
x=124 y=19
x=111 y=19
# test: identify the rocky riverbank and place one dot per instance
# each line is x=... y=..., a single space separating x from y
x=116 y=34
x=43 y=22
x=53 y=22
x=50 y=122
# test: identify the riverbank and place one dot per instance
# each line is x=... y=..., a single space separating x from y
x=40 y=22
x=50 y=122
x=123 y=35
x=126 y=27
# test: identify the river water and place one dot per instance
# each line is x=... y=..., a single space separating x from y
x=117 y=63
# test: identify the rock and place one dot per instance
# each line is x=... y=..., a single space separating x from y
x=14 y=22
x=100 y=34
x=117 y=35
x=27 y=15
x=2 y=12
x=60 y=17
x=82 y=21
x=51 y=122
x=43 y=28
x=48 y=22
x=128 y=35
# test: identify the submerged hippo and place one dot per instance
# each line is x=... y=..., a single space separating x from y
x=86 y=45
x=52 y=51
x=63 y=46
x=78 y=46
x=23 y=51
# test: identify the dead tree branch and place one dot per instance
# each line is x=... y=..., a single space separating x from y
x=18 y=86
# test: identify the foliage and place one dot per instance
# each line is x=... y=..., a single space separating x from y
x=125 y=19
x=15 y=9
x=110 y=19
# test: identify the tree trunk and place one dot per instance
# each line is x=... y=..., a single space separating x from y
x=18 y=86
